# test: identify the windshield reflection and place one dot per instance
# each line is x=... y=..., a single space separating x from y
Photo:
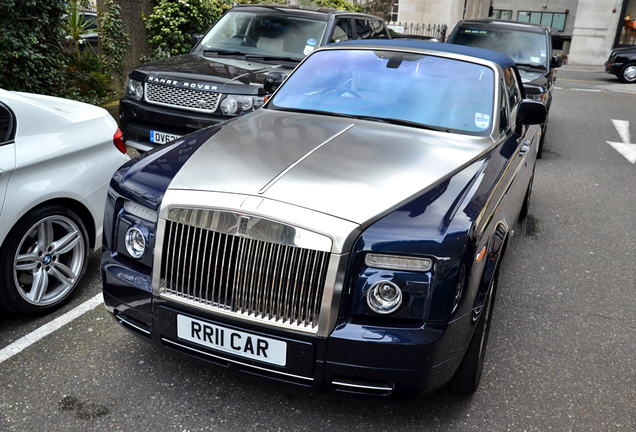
x=402 y=88
x=264 y=34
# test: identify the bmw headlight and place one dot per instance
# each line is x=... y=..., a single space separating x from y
x=135 y=89
x=234 y=104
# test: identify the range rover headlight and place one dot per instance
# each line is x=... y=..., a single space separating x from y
x=234 y=104
x=135 y=89
x=536 y=96
x=135 y=242
x=384 y=297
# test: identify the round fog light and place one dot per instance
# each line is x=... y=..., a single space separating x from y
x=384 y=297
x=135 y=242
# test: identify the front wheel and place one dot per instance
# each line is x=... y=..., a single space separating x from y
x=627 y=73
x=468 y=375
x=43 y=260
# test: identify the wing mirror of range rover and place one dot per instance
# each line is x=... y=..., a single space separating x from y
x=195 y=39
x=556 y=61
x=273 y=81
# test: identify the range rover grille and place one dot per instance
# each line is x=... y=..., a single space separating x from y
x=247 y=278
x=196 y=100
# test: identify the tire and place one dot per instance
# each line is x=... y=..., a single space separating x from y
x=43 y=260
x=627 y=74
x=468 y=374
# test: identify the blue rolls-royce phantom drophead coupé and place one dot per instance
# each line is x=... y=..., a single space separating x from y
x=345 y=237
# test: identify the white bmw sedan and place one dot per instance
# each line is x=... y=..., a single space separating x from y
x=56 y=160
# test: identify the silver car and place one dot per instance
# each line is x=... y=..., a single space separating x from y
x=56 y=159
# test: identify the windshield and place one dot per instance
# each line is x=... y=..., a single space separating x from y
x=402 y=88
x=264 y=35
x=524 y=48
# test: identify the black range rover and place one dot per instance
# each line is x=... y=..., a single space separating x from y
x=528 y=45
x=231 y=69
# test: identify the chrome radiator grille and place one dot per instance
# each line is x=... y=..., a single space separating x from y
x=245 y=277
x=197 y=100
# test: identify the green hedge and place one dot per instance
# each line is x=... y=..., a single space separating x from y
x=31 y=57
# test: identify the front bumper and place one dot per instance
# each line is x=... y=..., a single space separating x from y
x=137 y=119
x=613 y=68
x=356 y=357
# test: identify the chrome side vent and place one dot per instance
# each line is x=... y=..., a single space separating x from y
x=244 y=277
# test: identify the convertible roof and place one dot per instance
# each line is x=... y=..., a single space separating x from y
x=501 y=59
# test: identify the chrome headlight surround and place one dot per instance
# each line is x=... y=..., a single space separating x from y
x=236 y=104
x=134 y=89
x=135 y=242
x=137 y=225
x=384 y=297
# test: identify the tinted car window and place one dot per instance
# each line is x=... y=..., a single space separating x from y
x=260 y=33
x=378 y=30
x=364 y=29
x=6 y=121
x=393 y=86
x=342 y=31
x=525 y=48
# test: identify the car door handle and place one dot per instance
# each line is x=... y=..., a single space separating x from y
x=525 y=147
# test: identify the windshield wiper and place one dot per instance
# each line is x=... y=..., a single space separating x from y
x=222 y=51
x=402 y=123
x=271 y=57
x=532 y=66
x=310 y=111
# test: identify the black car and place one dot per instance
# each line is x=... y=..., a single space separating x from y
x=529 y=45
x=231 y=69
x=622 y=63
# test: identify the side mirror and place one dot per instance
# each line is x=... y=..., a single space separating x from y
x=556 y=61
x=196 y=38
x=273 y=81
x=532 y=112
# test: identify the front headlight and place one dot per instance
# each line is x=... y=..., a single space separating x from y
x=536 y=96
x=135 y=242
x=234 y=104
x=134 y=89
x=136 y=228
x=384 y=297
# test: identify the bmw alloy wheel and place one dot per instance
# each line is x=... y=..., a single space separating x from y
x=49 y=261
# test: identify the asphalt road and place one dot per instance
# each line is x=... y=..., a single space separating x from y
x=562 y=352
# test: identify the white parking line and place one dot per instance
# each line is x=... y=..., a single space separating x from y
x=28 y=340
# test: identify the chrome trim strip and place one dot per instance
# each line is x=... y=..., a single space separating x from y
x=289 y=168
x=362 y=386
x=125 y=322
x=236 y=362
